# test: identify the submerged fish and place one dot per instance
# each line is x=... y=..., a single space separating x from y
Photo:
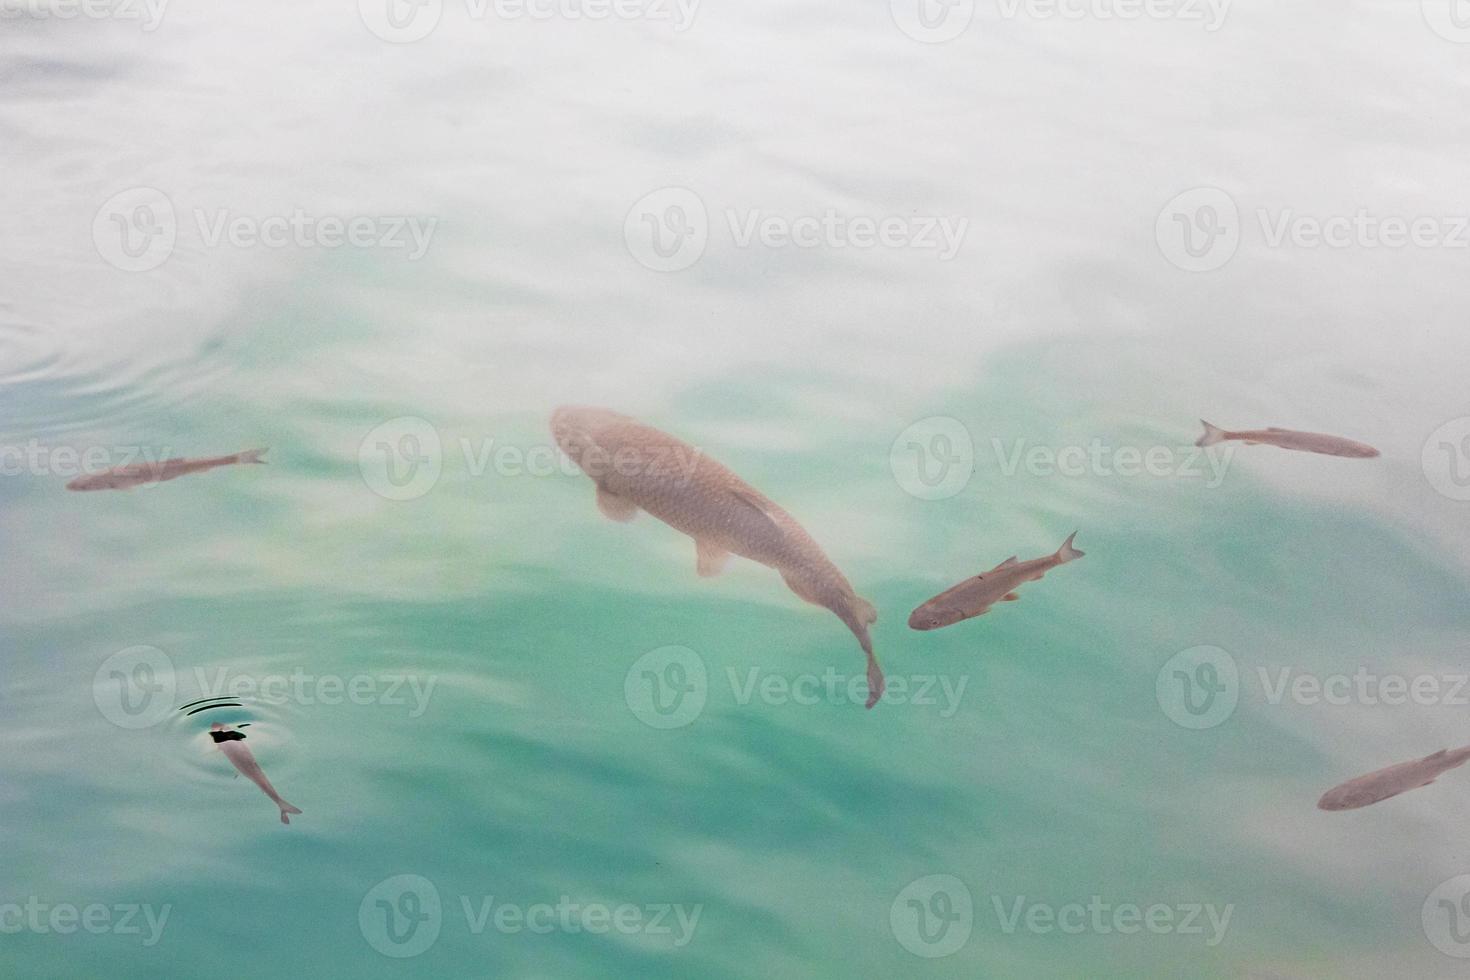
x=1380 y=785
x=1306 y=442
x=638 y=467
x=136 y=474
x=975 y=596
x=231 y=743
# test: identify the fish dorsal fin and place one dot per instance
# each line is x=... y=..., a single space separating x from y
x=1009 y=561
x=750 y=501
x=1438 y=755
x=1274 y=428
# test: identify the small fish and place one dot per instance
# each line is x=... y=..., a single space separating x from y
x=1306 y=442
x=974 y=597
x=1378 y=786
x=136 y=474
x=636 y=466
x=230 y=742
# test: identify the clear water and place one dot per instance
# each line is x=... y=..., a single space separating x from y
x=537 y=783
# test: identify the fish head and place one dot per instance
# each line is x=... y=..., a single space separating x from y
x=1351 y=797
x=92 y=481
x=929 y=617
x=576 y=428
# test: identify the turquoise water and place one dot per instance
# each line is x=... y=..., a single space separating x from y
x=531 y=742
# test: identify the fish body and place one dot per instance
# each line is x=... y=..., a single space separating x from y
x=137 y=474
x=637 y=467
x=974 y=596
x=232 y=743
x=1384 y=783
x=1306 y=442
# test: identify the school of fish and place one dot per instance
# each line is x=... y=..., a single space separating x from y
x=636 y=467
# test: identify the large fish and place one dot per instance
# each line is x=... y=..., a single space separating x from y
x=232 y=743
x=1378 y=786
x=1306 y=442
x=975 y=596
x=136 y=474
x=637 y=467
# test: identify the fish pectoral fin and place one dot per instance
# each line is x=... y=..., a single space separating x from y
x=615 y=508
x=1010 y=597
x=712 y=558
x=755 y=504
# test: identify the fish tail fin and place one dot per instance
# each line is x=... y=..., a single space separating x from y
x=862 y=614
x=876 y=684
x=252 y=456
x=1068 y=553
x=1213 y=434
x=285 y=809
